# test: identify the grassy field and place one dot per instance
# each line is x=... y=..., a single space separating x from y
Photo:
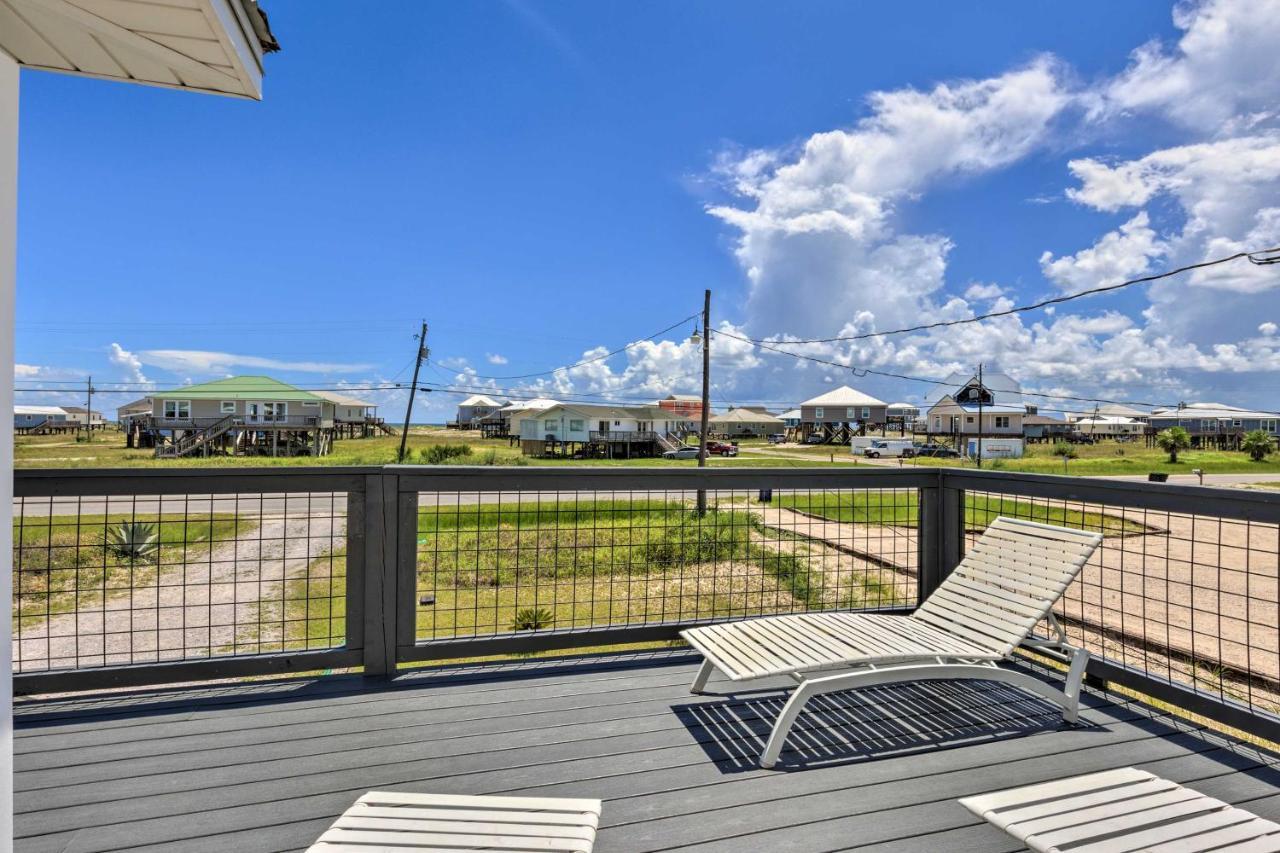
x=593 y=563
x=900 y=509
x=1104 y=458
x=1112 y=458
x=64 y=563
x=108 y=451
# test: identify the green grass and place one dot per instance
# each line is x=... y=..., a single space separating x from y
x=1114 y=458
x=590 y=563
x=314 y=606
x=899 y=508
x=63 y=563
x=108 y=451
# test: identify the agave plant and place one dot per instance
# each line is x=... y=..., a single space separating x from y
x=133 y=540
x=532 y=619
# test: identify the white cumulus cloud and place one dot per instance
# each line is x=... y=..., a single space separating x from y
x=1119 y=255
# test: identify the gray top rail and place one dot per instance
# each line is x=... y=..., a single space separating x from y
x=1244 y=504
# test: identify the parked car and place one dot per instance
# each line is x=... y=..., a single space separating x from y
x=722 y=448
x=681 y=453
x=937 y=450
x=778 y=438
x=889 y=447
x=814 y=438
x=1080 y=438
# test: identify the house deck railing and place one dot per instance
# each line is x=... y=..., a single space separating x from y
x=242 y=421
x=151 y=576
x=624 y=435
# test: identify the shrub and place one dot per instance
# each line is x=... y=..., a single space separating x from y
x=532 y=619
x=1258 y=444
x=442 y=454
x=1066 y=451
x=1172 y=440
x=133 y=540
x=490 y=458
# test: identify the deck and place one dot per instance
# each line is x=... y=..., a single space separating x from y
x=267 y=766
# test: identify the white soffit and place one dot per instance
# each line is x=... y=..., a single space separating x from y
x=201 y=45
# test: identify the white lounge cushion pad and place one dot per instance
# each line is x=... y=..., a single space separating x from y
x=1119 y=811
x=401 y=822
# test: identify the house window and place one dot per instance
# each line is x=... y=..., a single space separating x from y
x=617 y=423
x=550 y=424
x=849 y=413
x=177 y=409
x=1002 y=421
x=818 y=413
x=275 y=411
x=1269 y=426
x=577 y=426
x=228 y=407
x=937 y=421
x=309 y=405
x=968 y=419
x=1236 y=423
x=866 y=412
x=1209 y=426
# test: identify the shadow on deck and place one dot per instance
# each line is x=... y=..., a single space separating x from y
x=268 y=765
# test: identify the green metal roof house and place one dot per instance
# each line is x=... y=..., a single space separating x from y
x=242 y=414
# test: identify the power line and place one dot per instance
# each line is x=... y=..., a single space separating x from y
x=865 y=371
x=1264 y=257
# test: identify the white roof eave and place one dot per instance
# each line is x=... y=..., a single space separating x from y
x=128 y=41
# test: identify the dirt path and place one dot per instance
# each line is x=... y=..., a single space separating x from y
x=214 y=604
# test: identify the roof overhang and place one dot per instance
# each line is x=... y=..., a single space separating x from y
x=213 y=46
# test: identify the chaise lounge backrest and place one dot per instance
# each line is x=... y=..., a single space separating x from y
x=1007 y=582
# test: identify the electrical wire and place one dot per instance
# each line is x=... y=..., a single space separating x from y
x=866 y=371
x=1263 y=257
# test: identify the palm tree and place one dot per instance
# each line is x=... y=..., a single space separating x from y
x=1258 y=444
x=1172 y=440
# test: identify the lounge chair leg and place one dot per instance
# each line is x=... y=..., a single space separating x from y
x=1075 y=675
x=786 y=720
x=704 y=673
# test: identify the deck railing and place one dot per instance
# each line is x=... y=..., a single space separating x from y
x=142 y=577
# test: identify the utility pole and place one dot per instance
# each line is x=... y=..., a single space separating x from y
x=706 y=394
x=421 y=338
x=88 y=411
x=982 y=389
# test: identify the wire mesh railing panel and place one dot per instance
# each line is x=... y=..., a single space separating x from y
x=103 y=581
x=493 y=562
x=1187 y=598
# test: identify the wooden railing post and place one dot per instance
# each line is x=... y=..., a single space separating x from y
x=379 y=568
x=940 y=543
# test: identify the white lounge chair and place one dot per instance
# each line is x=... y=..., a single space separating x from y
x=389 y=820
x=987 y=607
x=1121 y=811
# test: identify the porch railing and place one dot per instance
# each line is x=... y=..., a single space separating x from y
x=149 y=576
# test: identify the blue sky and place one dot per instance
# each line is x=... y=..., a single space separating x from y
x=541 y=179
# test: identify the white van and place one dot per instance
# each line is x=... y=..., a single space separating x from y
x=890 y=448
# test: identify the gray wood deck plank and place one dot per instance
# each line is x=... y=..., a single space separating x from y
x=248 y=769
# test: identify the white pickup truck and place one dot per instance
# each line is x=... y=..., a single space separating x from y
x=890 y=448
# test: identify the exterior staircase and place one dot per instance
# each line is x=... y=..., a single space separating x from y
x=196 y=440
x=667 y=442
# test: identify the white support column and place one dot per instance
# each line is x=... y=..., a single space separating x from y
x=8 y=275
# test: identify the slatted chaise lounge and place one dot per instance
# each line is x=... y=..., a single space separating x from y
x=1122 y=811
x=390 y=820
x=985 y=609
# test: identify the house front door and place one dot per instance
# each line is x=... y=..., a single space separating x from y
x=251 y=413
x=604 y=426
